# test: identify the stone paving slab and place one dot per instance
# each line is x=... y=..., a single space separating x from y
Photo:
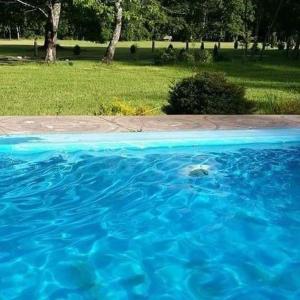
x=94 y=124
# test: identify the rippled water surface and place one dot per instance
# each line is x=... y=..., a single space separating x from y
x=135 y=224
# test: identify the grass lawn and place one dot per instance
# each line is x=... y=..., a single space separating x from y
x=83 y=86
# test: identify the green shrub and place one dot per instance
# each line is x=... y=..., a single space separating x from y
x=207 y=93
x=104 y=34
x=186 y=56
x=236 y=44
x=77 y=50
x=203 y=57
x=121 y=107
x=133 y=49
x=164 y=57
x=216 y=52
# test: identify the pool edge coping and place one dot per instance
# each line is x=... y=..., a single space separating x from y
x=22 y=125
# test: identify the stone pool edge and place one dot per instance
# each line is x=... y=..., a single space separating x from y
x=12 y=125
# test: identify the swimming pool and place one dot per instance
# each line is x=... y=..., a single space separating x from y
x=188 y=215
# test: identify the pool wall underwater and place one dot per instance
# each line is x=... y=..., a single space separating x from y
x=142 y=140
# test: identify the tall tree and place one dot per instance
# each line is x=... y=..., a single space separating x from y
x=50 y=10
x=111 y=10
x=53 y=17
x=288 y=24
x=110 y=51
x=273 y=15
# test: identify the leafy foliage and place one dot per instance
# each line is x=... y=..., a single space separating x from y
x=76 y=50
x=216 y=52
x=207 y=93
x=248 y=21
x=186 y=56
x=236 y=44
x=164 y=57
x=203 y=57
x=133 y=49
x=120 y=107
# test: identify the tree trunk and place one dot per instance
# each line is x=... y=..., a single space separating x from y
x=18 y=32
x=110 y=51
x=153 y=45
x=187 y=45
x=51 y=31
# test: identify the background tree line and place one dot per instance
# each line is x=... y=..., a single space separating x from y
x=270 y=22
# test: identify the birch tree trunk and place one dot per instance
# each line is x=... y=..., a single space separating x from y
x=51 y=30
x=18 y=31
x=110 y=51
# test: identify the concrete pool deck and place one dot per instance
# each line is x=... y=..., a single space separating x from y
x=102 y=124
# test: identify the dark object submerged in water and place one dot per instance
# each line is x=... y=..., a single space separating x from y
x=199 y=172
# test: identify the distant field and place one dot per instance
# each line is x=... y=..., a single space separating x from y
x=81 y=87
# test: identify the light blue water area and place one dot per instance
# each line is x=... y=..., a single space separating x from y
x=149 y=217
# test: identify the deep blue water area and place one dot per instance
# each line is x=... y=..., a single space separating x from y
x=192 y=222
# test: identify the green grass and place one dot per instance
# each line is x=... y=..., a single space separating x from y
x=82 y=88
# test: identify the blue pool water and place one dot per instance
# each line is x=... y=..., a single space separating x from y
x=151 y=216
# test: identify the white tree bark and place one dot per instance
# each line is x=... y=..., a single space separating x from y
x=110 y=51
x=18 y=31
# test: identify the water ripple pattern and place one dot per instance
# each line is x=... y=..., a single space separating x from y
x=135 y=224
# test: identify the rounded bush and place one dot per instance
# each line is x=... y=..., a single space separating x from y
x=236 y=44
x=77 y=50
x=163 y=57
x=204 y=57
x=133 y=49
x=186 y=56
x=216 y=52
x=207 y=93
